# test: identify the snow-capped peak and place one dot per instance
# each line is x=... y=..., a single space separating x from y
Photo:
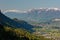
x=53 y=9
x=34 y=9
x=46 y=9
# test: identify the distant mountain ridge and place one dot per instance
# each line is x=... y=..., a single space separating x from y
x=6 y=21
x=37 y=15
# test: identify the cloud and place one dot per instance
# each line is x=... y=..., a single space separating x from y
x=56 y=20
x=18 y=11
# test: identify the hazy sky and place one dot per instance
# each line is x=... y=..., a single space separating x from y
x=28 y=4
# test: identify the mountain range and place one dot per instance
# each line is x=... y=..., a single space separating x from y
x=6 y=21
x=36 y=14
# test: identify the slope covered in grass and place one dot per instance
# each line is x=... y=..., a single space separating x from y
x=9 y=33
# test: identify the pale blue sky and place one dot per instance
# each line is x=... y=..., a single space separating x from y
x=28 y=4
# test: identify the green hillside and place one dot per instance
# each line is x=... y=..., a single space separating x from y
x=8 y=33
